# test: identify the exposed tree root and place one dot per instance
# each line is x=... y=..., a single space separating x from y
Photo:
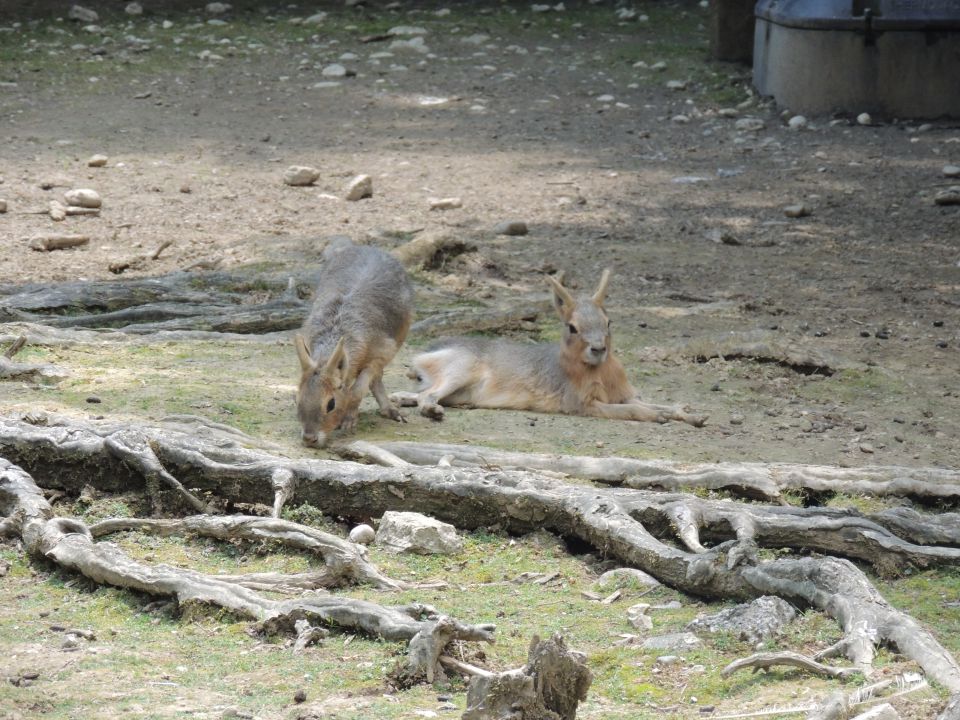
x=764 y=481
x=345 y=560
x=70 y=544
x=636 y=527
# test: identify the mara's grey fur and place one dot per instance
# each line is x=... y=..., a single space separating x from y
x=360 y=317
x=580 y=376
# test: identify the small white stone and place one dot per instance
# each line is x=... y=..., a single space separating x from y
x=796 y=211
x=133 y=8
x=299 y=175
x=951 y=171
x=511 y=227
x=864 y=119
x=334 y=70
x=680 y=119
x=539 y=8
x=728 y=112
x=97 y=160
x=83 y=197
x=315 y=19
x=749 y=124
x=451 y=203
x=659 y=66
x=415 y=44
x=363 y=534
x=167 y=24
x=950 y=196
x=218 y=8
x=407 y=30
x=359 y=188
x=797 y=122
x=605 y=98
x=676 y=84
x=82 y=14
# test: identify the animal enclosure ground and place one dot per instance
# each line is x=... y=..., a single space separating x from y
x=717 y=298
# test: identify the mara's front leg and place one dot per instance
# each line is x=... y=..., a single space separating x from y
x=641 y=411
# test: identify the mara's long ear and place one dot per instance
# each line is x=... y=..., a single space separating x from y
x=600 y=295
x=303 y=352
x=562 y=299
x=336 y=368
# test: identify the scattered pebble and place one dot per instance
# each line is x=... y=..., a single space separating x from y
x=659 y=66
x=668 y=660
x=93 y=399
x=511 y=227
x=300 y=175
x=950 y=196
x=680 y=119
x=3 y=206
x=749 y=124
x=300 y=696
x=133 y=8
x=859 y=427
x=451 y=203
x=83 y=197
x=728 y=112
x=185 y=188
x=334 y=70
x=797 y=122
x=867 y=448
x=359 y=188
x=882 y=334
x=315 y=19
x=82 y=14
x=864 y=119
x=796 y=211
x=676 y=84
x=736 y=419
x=97 y=161
x=416 y=44
x=218 y=8
x=363 y=534
x=951 y=171
x=605 y=98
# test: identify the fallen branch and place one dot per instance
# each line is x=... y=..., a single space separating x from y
x=764 y=661
x=16 y=347
x=467 y=320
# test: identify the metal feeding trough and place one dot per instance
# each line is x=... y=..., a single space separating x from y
x=898 y=58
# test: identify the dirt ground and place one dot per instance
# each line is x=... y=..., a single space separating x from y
x=540 y=117
x=557 y=118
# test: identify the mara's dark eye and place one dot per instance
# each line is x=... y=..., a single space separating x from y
x=331 y=405
x=572 y=328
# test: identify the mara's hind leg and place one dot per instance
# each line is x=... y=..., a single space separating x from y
x=441 y=374
x=645 y=412
x=387 y=408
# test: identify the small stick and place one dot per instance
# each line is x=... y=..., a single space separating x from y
x=465 y=668
x=16 y=347
x=163 y=246
x=48 y=243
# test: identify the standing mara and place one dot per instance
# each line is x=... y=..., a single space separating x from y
x=580 y=376
x=360 y=318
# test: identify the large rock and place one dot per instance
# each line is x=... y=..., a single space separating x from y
x=752 y=622
x=415 y=533
x=626 y=577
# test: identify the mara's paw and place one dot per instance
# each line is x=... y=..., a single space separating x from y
x=393 y=414
x=402 y=398
x=432 y=411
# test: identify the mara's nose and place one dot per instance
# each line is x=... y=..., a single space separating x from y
x=313 y=439
x=598 y=351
